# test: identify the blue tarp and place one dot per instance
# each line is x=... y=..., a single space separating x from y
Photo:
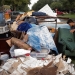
x=24 y=26
x=38 y=14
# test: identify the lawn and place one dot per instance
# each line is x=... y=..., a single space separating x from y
x=72 y=16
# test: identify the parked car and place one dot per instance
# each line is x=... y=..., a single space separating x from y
x=59 y=13
x=14 y=14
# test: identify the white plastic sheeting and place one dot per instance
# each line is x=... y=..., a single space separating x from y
x=46 y=9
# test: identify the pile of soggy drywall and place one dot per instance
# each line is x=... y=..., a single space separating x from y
x=51 y=65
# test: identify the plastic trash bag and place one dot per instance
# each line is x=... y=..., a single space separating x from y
x=39 y=37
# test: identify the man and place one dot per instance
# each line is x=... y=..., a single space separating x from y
x=72 y=25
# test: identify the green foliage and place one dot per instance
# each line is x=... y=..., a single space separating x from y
x=72 y=16
x=16 y=4
x=59 y=4
x=23 y=8
x=19 y=3
x=55 y=5
x=40 y=4
x=68 y=4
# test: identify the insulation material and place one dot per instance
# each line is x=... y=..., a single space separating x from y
x=19 y=52
x=19 y=43
x=32 y=66
x=14 y=26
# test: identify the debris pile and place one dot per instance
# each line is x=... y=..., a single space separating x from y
x=51 y=65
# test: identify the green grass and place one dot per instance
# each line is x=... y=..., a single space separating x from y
x=72 y=16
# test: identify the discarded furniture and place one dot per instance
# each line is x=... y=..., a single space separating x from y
x=66 y=42
x=4 y=34
x=4 y=47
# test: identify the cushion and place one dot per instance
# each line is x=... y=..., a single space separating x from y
x=67 y=38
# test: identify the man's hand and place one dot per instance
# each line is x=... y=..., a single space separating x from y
x=72 y=30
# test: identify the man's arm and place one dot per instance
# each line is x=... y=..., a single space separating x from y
x=72 y=30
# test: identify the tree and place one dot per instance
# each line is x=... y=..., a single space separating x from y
x=72 y=4
x=23 y=8
x=56 y=5
x=68 y=4
x=40 y=4
x=64 y=5
x=15 y=3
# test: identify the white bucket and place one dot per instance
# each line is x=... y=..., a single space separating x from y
x=43 y=53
